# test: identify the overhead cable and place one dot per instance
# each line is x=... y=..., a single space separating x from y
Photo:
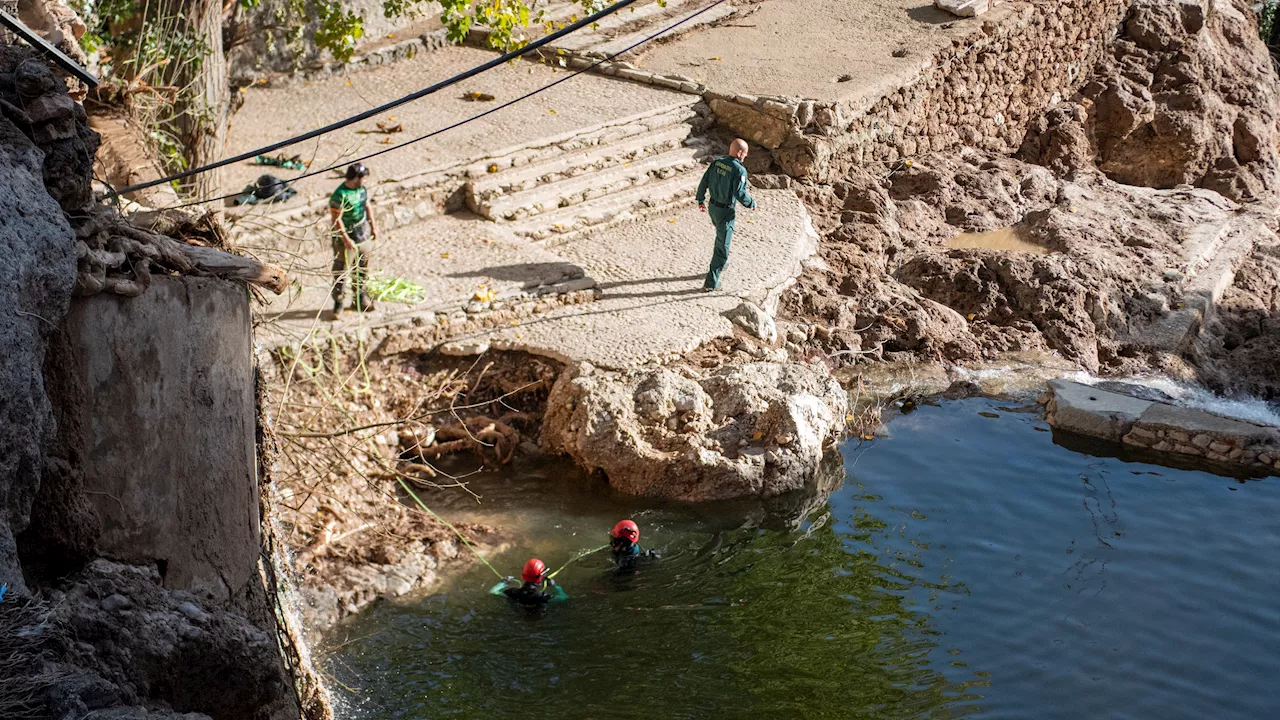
x=501 y=59
x=473 y=118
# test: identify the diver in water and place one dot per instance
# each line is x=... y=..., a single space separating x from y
x=536 y=589
x=624 y=543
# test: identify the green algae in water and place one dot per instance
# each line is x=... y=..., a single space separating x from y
x=968 y=569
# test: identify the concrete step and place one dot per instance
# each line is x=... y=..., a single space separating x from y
x=679 y=112
x=547 y=198
x=641 y=201
x=592 y=159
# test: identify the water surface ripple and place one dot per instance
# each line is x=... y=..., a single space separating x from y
x=967 y=567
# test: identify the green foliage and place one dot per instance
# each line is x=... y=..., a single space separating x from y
x=339 y=29
x=1267 y=16
x=505 y=19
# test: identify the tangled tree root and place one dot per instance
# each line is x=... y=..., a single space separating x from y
x=494 y=440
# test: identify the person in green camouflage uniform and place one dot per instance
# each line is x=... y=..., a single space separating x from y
x=726 y=181
x=353 y=227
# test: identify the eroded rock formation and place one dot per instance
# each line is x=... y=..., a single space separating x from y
x=1188 y=96
x=750 y=430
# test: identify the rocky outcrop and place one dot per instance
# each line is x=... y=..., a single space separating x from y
x=751 y=430
x=149 y=645
x=36 y=279
x=1188 y=95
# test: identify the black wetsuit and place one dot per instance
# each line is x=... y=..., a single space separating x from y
x=628 y=555
x=531 y=594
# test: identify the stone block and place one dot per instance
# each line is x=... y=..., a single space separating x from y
x=804 y=113
x=1220 y=447
x=1085 y=410
x=767 y=131
x=754 y=320
x=635 y=76
x=782 y=111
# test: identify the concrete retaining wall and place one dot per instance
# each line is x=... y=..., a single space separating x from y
x=167 y=426
x=981 y=92
x=1162 y=427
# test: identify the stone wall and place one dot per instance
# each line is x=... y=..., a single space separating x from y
x=981 y=92
x=1140 y=417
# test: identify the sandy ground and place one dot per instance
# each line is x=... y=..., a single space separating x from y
x=804 y=47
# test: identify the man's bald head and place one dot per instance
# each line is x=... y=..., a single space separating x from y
x=738 y=148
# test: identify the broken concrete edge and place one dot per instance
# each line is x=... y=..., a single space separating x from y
x=1162 y=427
x=426 y=330
x=967 y=8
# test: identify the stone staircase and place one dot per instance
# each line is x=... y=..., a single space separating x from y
x=597 y=178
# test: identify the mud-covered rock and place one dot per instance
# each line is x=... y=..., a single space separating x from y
x=161 y=646
x=750 y=430
x=1188 y=96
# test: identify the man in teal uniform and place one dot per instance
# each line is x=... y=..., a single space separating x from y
x=352 y=228
x=726 y=179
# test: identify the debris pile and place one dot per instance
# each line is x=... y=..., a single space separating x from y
x=119 y=256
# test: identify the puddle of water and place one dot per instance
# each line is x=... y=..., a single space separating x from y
x=1014 y=239
x=968 y=566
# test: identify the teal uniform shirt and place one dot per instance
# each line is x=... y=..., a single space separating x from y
x=726 y=180
x=352 y=203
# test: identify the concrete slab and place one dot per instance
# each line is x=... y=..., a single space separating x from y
x=452 y=257
x=1086 y=410
x=829 y=50
x=651 y=274
x=1198 y=422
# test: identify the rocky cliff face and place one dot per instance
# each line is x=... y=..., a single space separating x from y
x=750 y=430
x=36 y=280
x=1188 y=95
x=1146 y=200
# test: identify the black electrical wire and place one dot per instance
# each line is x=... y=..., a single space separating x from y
x=505 y=58
x=473 y=118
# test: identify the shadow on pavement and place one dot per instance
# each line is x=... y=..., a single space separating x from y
x=528 y=274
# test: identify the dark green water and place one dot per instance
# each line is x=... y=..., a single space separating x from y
x=967 y=566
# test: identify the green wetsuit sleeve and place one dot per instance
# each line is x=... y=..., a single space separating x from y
x=742 y=195
x=703 y=185
x=558 y=594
